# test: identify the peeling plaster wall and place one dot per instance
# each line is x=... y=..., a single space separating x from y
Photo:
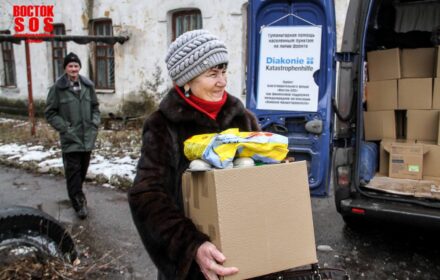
x=147 y=23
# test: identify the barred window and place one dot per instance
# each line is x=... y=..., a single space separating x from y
x=58 y=51
x=8 y=62
x=104 y=75
x=185 y=21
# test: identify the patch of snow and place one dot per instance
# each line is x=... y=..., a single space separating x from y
x=35 y=156
x=108 y=186
x=36 y=148
x=117 y=166
x=55 y=162
x=108 y=166
x=24 y=250
x=12 y=149
x=4 y=120
x=14 y=157
x=20 y=124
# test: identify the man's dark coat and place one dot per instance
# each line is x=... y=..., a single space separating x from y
x=75 y=116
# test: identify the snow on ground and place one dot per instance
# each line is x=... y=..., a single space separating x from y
x=102 y=163
x=25 y=153
x=46 y=159
x=123 y=167
x=6 y=120
x=11 y=149
x=99 y=165
x=51 y=163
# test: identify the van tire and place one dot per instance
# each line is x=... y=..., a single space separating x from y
x=32 y=228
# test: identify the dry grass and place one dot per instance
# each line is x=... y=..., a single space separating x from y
x=20 y=132
x=114 y=142
x=51 y=268
x=27 y=263
x=120 y=143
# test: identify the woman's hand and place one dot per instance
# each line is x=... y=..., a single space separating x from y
x=210 y=261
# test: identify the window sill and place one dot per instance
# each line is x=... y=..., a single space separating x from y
x=12 y=89
x=104 y=91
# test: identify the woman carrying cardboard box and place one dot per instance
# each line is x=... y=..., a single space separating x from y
x=198 y=104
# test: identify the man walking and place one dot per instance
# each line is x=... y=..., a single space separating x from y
x=72 y=108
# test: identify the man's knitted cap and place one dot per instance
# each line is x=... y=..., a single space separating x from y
x=71 y=57
x=192 y=53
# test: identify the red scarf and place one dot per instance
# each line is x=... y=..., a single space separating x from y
x=209 y=108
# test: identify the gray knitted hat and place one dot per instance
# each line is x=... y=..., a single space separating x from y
x=192 y=53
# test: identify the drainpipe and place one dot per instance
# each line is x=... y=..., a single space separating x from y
x=29 y=82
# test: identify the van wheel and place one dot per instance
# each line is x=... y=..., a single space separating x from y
x=29 y=231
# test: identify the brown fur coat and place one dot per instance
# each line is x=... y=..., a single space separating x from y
x=155 y=199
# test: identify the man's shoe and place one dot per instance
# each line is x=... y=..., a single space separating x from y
x=82 y=212
x=81 y=209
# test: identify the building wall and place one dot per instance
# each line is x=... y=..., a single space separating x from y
x=147 y=23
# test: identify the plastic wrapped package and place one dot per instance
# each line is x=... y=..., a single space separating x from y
x=220 y=149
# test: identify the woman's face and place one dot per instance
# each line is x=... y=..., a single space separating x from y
x=210 y=85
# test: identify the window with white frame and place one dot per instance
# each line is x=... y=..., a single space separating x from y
x=58 y=51
x=104 y=74
x=185 y=20
x=8 y=62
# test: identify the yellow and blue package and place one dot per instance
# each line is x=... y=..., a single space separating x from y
x=220 y=149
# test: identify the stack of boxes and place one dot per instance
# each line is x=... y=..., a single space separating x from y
x=403 y=104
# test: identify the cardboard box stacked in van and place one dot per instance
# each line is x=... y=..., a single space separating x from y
x=403 y=104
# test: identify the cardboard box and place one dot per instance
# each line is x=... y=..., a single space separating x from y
x=417 y=63
x=437 y=71
x=431 y=161
x=422 y=125
x=382 y=95
x=436 y=94
x=384 y=154
x=400 y=116
x=438 y=133
x=415 y=94
x=383 y=65
x=259 y=217
x=379 y=125
x=406 y=161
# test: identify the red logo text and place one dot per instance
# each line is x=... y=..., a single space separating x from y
x=33 y=20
